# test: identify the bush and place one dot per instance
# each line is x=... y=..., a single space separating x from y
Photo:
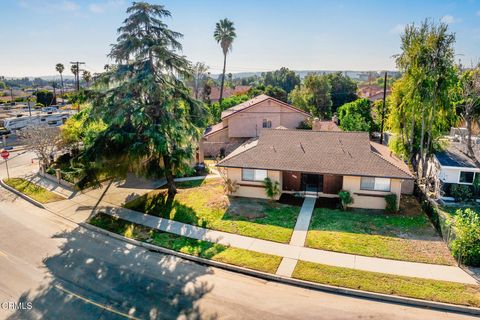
x=466 y=246
x=345 y=199
x=271 y=188
x=461 y=192
x=391 y=200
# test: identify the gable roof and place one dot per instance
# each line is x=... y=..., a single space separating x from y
x=323 y=152
x=254 y=101
x=213 y=129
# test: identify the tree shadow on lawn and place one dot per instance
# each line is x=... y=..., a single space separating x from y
x=93 y=273
x=215 y=206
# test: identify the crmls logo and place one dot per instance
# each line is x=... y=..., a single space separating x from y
x=16 y=305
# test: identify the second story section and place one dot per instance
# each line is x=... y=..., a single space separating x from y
x=262 y=112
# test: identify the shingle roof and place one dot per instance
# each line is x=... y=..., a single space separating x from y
x=454 y=157
x=215 y=128
x=324 y=152
x=256 y=100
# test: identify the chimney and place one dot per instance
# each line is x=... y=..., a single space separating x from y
x=335 y=118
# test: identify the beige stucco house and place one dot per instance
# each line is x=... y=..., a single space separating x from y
x=319 y=163
x=245 y=121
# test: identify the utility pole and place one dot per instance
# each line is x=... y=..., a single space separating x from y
x=383 y=108
x=77 y=76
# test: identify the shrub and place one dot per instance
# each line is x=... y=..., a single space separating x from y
x=391 y=200
x=461 y=192
x=466 y=246
x=271 y=188
x=345 y=199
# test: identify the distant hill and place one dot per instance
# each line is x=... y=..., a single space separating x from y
x=356 y=75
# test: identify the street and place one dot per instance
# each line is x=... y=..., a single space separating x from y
x=68 y=272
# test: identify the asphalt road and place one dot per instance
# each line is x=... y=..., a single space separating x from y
x=67 y=272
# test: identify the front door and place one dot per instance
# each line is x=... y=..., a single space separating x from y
x=312 y=182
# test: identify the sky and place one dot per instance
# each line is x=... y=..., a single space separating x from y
x=298 y=34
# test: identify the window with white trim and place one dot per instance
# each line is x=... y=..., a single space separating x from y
x=253 y=175
x=375 y=184
x=467 y=177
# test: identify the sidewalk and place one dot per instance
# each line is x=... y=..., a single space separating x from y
x=292 y=252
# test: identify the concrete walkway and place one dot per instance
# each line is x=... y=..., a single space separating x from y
x=292 y=252
x=303 y=222
x=299 y=235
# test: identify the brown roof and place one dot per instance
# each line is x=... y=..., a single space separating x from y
x=324 y=152
x=228 y=92
x=323 y=125
x=254 y=101
x=215 y=128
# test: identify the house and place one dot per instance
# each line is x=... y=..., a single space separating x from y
x=245 y=121
x=319 y=163
x=227 y=92
x=450 y=167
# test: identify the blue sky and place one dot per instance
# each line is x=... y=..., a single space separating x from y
x=299 y=34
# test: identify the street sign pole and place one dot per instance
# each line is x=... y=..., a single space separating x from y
x=5 y=154
x=6 y=165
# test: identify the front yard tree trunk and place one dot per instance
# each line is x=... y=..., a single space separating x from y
x=172 y=189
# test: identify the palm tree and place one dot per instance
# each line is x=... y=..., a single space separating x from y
x=74 y=68
x=60 y=67
x=87 y=76
x=224 y=34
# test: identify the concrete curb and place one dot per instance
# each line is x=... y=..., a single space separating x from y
x=291 y=281
x=22 y=195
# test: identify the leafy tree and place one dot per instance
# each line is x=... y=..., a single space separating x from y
x=282 y=78
x=152 y=123
x=313 y=95
x=466 y=246
x=45 y=97
x=423 y=107
x=470 y=104
x=224 y=34
x=199 y=77
x=60 y=68
x=356 y=116
x=217 y=108
x=83 y=127
x=274 y=92
x=343 y=90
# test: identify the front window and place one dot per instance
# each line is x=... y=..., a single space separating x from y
x=253 y=175
x=375 y=184
x=266 y=123
x=467 y=177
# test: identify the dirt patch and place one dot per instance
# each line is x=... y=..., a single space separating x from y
x=247 y=208
x=409 y=206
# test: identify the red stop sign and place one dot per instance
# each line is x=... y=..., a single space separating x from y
x=4 y=154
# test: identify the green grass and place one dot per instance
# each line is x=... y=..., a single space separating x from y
x=208 y=250
x=407 y=236
x=203 y=203
x=435 y=290
x=32 y=190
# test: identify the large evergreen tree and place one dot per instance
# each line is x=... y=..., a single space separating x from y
x=152 y=123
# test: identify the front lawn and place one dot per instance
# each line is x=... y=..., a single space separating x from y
x=427 y=289
x=203 y=203
x=32 y=190
x=208 y=250
x=408 y=235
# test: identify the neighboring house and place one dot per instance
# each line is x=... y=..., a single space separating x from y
x=449 y=167
x=245 y=121
x=319 y=163
x=372 y=92
x=227 y=92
